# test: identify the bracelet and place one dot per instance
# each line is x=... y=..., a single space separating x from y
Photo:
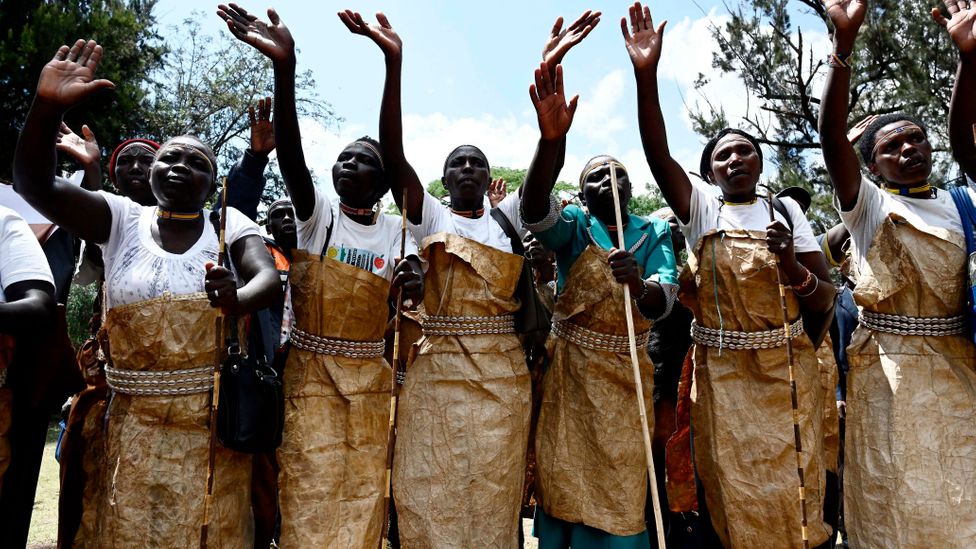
x=811 y=292
x=642 y=294
x=806 y=281
x=839 y=61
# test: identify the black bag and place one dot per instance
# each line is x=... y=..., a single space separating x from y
x=532 y=316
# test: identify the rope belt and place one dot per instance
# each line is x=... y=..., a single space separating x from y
x=173 y=382
x=736 y=341
x=597 y=341
x=912 y=325
x=467 y=325
x=336 y=347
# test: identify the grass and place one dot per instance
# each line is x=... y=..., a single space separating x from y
x=44 y=521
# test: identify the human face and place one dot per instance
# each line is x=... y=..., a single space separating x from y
x=466 y=178
x=182 y=177
x=598 y=195
x=357 y=176
x=736 y=167
x=132 y=167
x=281 y=225
x=902 y=154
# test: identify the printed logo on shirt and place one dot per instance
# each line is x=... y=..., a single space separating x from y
x=358 y=257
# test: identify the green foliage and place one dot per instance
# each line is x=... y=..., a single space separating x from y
x=79 y=312
x=32 y=31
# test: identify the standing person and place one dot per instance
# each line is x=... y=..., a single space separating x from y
x=161 y=299
x=337 y=384
x=747 y=467
x=592 y=471
x=910 y=453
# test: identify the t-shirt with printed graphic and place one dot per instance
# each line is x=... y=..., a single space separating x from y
x=373 y=248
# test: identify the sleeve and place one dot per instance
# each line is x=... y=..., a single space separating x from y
x=511 y=206
x=660 y=265
x=239 y=226
x=21 y=256
x=701 y=216
x=434 y=219
x=123 y=212
x=556 y=231
x=312 y=231
x=245 y=184
x=865 y=217
x=803 y=239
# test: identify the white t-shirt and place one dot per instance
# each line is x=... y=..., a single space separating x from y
x=373 y=248
x=874 y=204
x=438 y=218
x=21 y=256
x=709 y=213
x=137 y=269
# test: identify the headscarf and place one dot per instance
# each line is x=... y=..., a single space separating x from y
x=194 y=143
x=147 y=144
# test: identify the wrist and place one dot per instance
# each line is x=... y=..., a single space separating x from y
x=844 y=43
x=393 y=59
x=968 y=59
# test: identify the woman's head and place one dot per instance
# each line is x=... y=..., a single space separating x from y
x=184 y=174
x=895 y=148
x=466 y=177
x=128 y=169
x=595 y=190
x=732 y=160
x=358 y=174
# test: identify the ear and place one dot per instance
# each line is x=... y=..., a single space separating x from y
x=581 y=198
x=444 y=183
x=873 y=168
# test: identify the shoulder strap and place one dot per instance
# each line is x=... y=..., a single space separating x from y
x=328 y=237
x=780 y=207
x=500 y=217
x=964 y=204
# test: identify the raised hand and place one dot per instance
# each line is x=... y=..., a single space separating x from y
x=562 y=40
x=555 y=115
x=960 y=24
x=273 y=40
x=846 y=15
x=69 y=77
x=383 y=34
x=262 y=129
x=643 y=40
x=496 y=192
x=854 y=134
x=85 y=150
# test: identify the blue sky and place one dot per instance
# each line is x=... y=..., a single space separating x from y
x=467 y=68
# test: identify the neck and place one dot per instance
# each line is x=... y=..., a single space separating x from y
x=739 y=199
x=610 y=220
x=176 y=215
x=363 y=216
x=473 y=214
x=472 y=208
x=921 y=189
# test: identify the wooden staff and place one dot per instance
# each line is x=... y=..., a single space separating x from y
x=636 y=365
x=395 y=389
x=793 y=399
x=218 y=352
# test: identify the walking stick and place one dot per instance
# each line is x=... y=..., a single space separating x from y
x=793 y=400
x=397 y=380
x=218 y=349
x=633 y=361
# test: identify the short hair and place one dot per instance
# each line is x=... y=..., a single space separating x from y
x=459 y=147
x=866 y=144
x=705 y=166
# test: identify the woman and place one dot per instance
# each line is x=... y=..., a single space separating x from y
x=743 y=433
x=159 y=323
x=337 y=384
x=592 y=471
x=910 y=457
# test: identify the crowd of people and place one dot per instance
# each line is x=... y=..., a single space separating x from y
x=519 y=395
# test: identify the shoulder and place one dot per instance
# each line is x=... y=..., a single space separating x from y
x=9 y=217
x=652 y=226
x=573 y=211
x=239 y=225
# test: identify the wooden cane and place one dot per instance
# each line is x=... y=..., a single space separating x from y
x=628 y=312
x=397 y=381
x=218 y=352
x=793 y=399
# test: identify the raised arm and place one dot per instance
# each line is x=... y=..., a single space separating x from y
x=401 y=173
x=84 y=151
x=839 y=157
x=644 y=44
x=962 y=107
x=246 y=181
x=68 y=79
x=555 y=118
x=275 y=42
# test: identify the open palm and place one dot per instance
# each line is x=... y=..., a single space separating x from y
x=273 y=40
x=961 y=25
x=69 y=77
x=846 y=15
x=382 y=34
x=562 y=40
x=555 y=115
x=643 y=40
x=84 y=150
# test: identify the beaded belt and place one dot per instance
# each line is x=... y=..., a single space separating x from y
x=336 y=347
x=467 y=325
x=912 y=325
x=597 y=341
x=736 y=341
x=173 y=382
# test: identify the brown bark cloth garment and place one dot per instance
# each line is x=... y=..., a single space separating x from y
x=6 y=402
x=158 y=445
x=463 y=422
x=831 y=422
x=741 y=413
x=910 y=460
x=337 y=410
x=590 y=450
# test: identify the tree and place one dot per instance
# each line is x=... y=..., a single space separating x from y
x=31 y=31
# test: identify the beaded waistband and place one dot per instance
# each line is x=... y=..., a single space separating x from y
x=173 y=382
x=736 y=340
x=336 y=347
x=912 y=325
x=597 y=341
x=467 y=325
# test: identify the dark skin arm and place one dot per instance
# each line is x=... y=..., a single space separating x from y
x=275 y=42
x=408 y=277
x=29 y=308
x=262 y=286
x=842 y=164
x=837 y=237
x=85 y=151
x=626 y=271
x=64 y=82
x=962 y=109
x=795 y=267
x=644 y=43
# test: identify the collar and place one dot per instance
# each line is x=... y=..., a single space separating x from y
x=922 y=191
x=179 y=216
x=746 y=203
x=471 y=214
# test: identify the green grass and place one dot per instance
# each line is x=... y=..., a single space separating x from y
x=44 y=521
